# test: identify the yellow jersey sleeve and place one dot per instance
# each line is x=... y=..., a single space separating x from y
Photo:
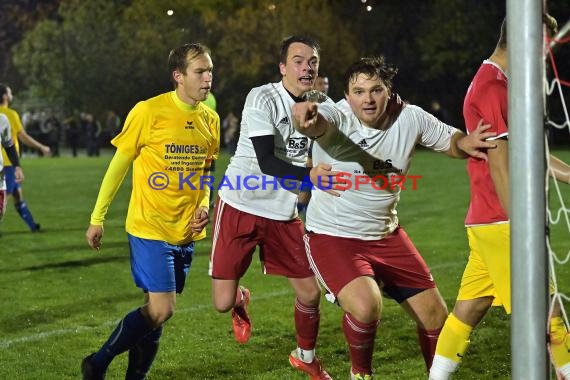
x=118 y=168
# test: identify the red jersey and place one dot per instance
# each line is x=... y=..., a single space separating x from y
x=486 y=99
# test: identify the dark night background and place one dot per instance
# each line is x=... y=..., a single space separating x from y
x=72 y=55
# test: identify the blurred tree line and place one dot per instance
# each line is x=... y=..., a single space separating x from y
x=109 y=54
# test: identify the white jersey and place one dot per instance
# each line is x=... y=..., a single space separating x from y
x=267 y=111
x=369 y=211
x=5 y=142
x=344 y=107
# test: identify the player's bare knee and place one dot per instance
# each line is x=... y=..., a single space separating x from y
x=310 y=297
x=307 y=291
x=472 y=311
x=434 y=317
x=223 y=306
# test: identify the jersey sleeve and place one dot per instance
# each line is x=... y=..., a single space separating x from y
x=118 y=168
x=492 y=107
x=336 y=118
x=132 y=137
x=259 y=113
x=433 y=133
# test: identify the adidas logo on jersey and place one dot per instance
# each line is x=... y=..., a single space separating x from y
x=285 y=120
x=188 y=125
x=363 y=143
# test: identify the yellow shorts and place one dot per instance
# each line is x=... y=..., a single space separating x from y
x=488 y=271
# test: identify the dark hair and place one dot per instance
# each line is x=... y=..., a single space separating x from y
x=3 y=89
x=372 y=67
x=179 y=57
x=307 y=40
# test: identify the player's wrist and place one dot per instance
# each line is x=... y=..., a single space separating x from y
x=94 y=221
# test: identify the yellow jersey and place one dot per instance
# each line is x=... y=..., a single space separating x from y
x=172 y=144
x=15 y=128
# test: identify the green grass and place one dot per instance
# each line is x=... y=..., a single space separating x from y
x=60 y=300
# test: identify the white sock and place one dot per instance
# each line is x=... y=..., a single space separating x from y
x=565 y=371
x=306 y=356
x=442 y=368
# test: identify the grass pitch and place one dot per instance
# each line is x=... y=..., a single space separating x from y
x=60 y=300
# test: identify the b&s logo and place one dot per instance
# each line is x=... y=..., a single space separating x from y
x=297 y=142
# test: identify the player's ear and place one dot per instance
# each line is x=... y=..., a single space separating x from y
x=282 y=69
x=177 y=76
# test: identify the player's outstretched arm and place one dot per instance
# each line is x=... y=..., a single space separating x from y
x=307 y=120
x=33 y=143
x=474 y=144
x=560 y=170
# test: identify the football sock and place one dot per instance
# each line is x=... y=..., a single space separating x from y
x=559 y=343
x=442 y=368
x=307 y=321
x=428 y=342
x=26 y=215
x=454 y=339
x=452 y=345
x=142 y=355
x=360 y=338
x=127 y=333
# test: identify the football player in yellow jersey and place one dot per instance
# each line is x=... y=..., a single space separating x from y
x=13 y=187
x=170 y=141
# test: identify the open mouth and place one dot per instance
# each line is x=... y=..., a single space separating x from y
x=306 y=80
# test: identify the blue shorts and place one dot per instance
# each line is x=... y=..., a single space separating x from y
x=158 y=266
x=10 y=176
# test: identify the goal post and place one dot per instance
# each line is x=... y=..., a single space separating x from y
x=527 y=162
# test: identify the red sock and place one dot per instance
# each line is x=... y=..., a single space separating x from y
x=307 y=325
x=360 y=338
x=428 y=341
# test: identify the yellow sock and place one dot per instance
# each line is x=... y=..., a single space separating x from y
x=453 y=339
x=559 y=342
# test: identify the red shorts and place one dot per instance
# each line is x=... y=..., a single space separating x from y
x=394 y=262
x=2 y=203
x=236 y=234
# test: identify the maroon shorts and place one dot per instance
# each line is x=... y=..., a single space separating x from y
x=3 y=197
x=236 y=234
x=394 y=262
